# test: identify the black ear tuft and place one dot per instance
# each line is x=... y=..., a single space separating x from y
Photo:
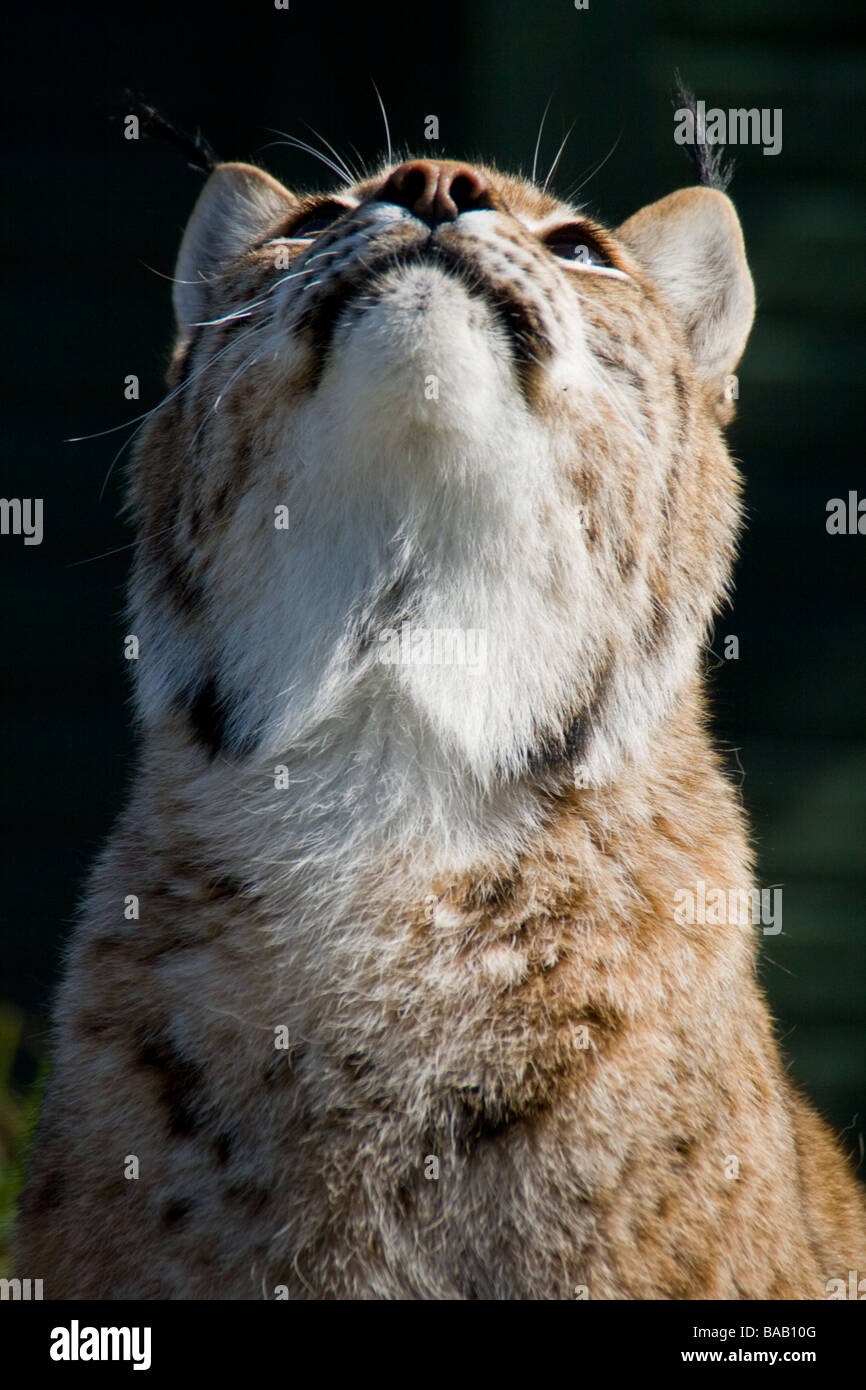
x=198 y=152
x=711 y=166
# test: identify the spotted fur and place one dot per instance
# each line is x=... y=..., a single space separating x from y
x=509 y=1072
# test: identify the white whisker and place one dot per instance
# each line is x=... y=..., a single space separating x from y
x=555 y=163
x=364 y=172
x=384 y=118
x=294 y=143
x=339 y=158
x=592 y=173
x=538 y=140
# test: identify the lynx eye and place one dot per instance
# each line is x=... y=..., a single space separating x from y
x=575 y=242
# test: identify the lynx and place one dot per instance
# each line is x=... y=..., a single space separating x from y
x=379 y=991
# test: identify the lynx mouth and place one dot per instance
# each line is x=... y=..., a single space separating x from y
x=351 y=294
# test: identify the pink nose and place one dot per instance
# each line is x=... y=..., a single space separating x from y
x=435 y=191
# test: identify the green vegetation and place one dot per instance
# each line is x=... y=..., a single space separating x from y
x=19 y=1109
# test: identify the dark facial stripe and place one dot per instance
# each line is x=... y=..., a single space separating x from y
x=529 y=341
x=181 y=587
x=206 y=709
x=389 y=607
x=177 y=1211
x=180 y=1081
x=207 y=715
x=556 y=750
x=480 y=1120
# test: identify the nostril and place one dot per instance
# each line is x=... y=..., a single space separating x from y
x=435 y=192
x=468 y=191
x=412 y=187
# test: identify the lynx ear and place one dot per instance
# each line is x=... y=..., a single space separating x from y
x=237 y=205
x=692 y=246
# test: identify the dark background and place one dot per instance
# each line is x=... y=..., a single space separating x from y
x=87 y=211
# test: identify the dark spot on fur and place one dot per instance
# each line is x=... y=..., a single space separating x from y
x=625 y=560
x=224 y=1144
x=162 y=889
x=248 y=1193
x=387 y=609
x=106 y=944
x=556 y=750
x=183 y=590
x=494 y=892
x=479 y=1119
x=206 y=709
x=691 y=1275
x=177 y=1211
x=207 y=715
x=651 y=638
x=404 y=1201
x=223 y=886
x=683 y=1144
x=221 y=499
x=681 y=392
x=623 y=372
x=602 y=1022
x=179 y=1080
x=357 y=1065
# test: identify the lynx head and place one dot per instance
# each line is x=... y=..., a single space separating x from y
x=440 y=477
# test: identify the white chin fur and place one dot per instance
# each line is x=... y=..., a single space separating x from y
x=423 y=361
x=422 y=456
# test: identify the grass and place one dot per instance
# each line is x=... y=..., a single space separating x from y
x=19 y=1110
